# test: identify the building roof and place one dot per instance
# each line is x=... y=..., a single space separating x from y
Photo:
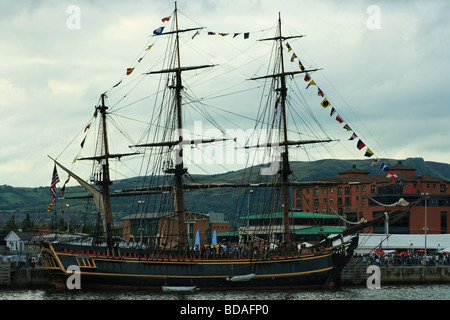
x=320 y=230
x=401 y=167
x=354 y=171
x=292 y=214
x=18 y=235
x=368 y=242
x=381 y=178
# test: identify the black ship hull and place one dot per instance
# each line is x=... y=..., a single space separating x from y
x=144 y=269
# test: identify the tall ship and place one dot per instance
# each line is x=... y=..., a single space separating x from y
x=267 y=253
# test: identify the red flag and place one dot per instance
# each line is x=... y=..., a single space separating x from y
x=129 y=71
x=391 y=175
x=307 y=77
x=360 y=144
x=293 y=57
x=320 y=93
x=166 y=18
x=63 y=190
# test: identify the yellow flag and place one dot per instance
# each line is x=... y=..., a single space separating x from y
x=288 y=46
x=325 y=103
x=311 y=83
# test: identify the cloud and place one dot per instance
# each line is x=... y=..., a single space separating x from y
x=389 y=83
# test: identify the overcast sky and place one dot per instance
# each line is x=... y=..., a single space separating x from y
x=384 y=63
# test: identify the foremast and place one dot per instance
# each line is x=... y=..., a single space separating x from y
x=106 y=178
x=102 y=179
x=285 y=167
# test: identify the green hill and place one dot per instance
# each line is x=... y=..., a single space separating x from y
x=34 y=201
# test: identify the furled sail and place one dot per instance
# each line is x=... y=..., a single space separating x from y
x=96 y=194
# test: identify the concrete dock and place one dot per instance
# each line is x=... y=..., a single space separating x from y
x=24 y=277
x=355 y=273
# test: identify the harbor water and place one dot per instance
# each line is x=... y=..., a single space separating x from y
x=388 y=292
x=395 y=300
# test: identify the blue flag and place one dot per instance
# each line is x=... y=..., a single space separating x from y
x=158 y=31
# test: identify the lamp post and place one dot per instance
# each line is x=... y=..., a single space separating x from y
x=68 y=217
x=425 y=195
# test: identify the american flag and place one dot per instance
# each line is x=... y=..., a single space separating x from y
x=55 y=180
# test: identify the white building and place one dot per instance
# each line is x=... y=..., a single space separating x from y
x=404 y=242
x=16 y=241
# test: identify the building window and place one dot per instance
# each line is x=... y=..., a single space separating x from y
x=373 y=189
x=298 y=203
x=339 y=190
x=351 y=216
x=442 y=188
x=297 y=192
x=331 y=190
x=316 y=202
x=339 y=202
x=316 y=192
x=324 y=190
x=347 y=190
x=307 y=191
x=347 y=201
x=443 y=222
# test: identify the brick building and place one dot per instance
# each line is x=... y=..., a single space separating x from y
x=352 y=192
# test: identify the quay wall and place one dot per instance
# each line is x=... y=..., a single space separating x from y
x=356 y=274
x=24 y=277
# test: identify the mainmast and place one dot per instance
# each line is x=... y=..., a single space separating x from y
x=285 y=170
x=178 y=170
x=179 y=166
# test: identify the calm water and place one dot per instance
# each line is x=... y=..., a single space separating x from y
x=402 y=302
x=397 y=292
